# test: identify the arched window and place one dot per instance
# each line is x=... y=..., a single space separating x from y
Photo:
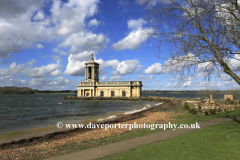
x=112 y=93
x=123 y=93
x=102 y=94
x=87 y=94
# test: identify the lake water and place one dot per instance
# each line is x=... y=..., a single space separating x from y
x=23 y=116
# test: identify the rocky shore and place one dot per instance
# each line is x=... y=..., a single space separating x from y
x=149 y=98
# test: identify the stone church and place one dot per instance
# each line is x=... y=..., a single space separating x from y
x=93 y=88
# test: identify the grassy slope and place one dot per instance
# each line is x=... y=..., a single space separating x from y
x=215 y=142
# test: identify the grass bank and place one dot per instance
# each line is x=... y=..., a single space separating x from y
x=215 y=142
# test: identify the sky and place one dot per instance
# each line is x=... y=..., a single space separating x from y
x=45 y=43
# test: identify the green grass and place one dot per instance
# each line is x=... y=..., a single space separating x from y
x=215 y=142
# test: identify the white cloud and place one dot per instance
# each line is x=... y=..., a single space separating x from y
x=178 y=64
x=128 y=67
x=234 y=63
x=145 y=78
x=168 y=85
x=76 y=66
x=59 y=83
x=20 y=18
x=39 y=16
x=39 y=45
x=22 y=70
x=56 y=58
x=83 y=41
x=114 y=78
x=49 y=69
x=32 y=62
x=156 y=68
x=136 y=24
x=55 y=73
x=60 y=52
x=104 y=78
x=93 y=22
x=153 y=2
x=133 y=40
x=187 y=83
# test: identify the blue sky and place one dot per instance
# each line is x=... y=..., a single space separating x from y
x=45 y=43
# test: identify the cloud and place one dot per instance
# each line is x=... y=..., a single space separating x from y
x=114 y=78
x=127 y=67
x=104 y=78
x=42 y=71
x=60 y=52
x=15 y=70
x=84 y=41
x=56 y=58
x=152 y=2
x=123 y=3
x=76 y=65
x=93 y=22
x=32 y=62
x=133 y=40
x=178 y=64
x=39 y=45
x=27 y=19
x=39 y=16
x=156 y=68
x=145 y=78
x=59 y=83
x=135 y=24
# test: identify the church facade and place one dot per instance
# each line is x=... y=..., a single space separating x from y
x=93 y=88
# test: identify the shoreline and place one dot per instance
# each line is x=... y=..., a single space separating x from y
x=32 y=140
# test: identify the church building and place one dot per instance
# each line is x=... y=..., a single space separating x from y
x=93 y=88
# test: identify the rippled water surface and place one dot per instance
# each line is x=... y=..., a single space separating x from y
x=26 y=115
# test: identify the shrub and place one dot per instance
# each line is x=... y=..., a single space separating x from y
x=213 y=111
x=192 y=110
x=228 y=101
x=186 y=106
x=206 y=113
x=194 y=98
x=235 y=104
x=236 y=107
x=219 y=110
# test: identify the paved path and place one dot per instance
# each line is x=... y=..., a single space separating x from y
x=113 y=148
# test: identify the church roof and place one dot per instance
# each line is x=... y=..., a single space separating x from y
x=92 y=60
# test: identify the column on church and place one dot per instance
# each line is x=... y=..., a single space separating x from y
x=92 y=70
x=138 y=93
x=85 y=73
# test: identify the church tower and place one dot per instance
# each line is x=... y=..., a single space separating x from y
x=91 y=71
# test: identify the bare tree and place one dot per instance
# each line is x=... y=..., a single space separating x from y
x=198 y=36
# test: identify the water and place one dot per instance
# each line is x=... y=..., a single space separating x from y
x=188 y=95
x=23 y=116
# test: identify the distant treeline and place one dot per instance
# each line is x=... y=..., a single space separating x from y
x=16 y=90
x=49 y=91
